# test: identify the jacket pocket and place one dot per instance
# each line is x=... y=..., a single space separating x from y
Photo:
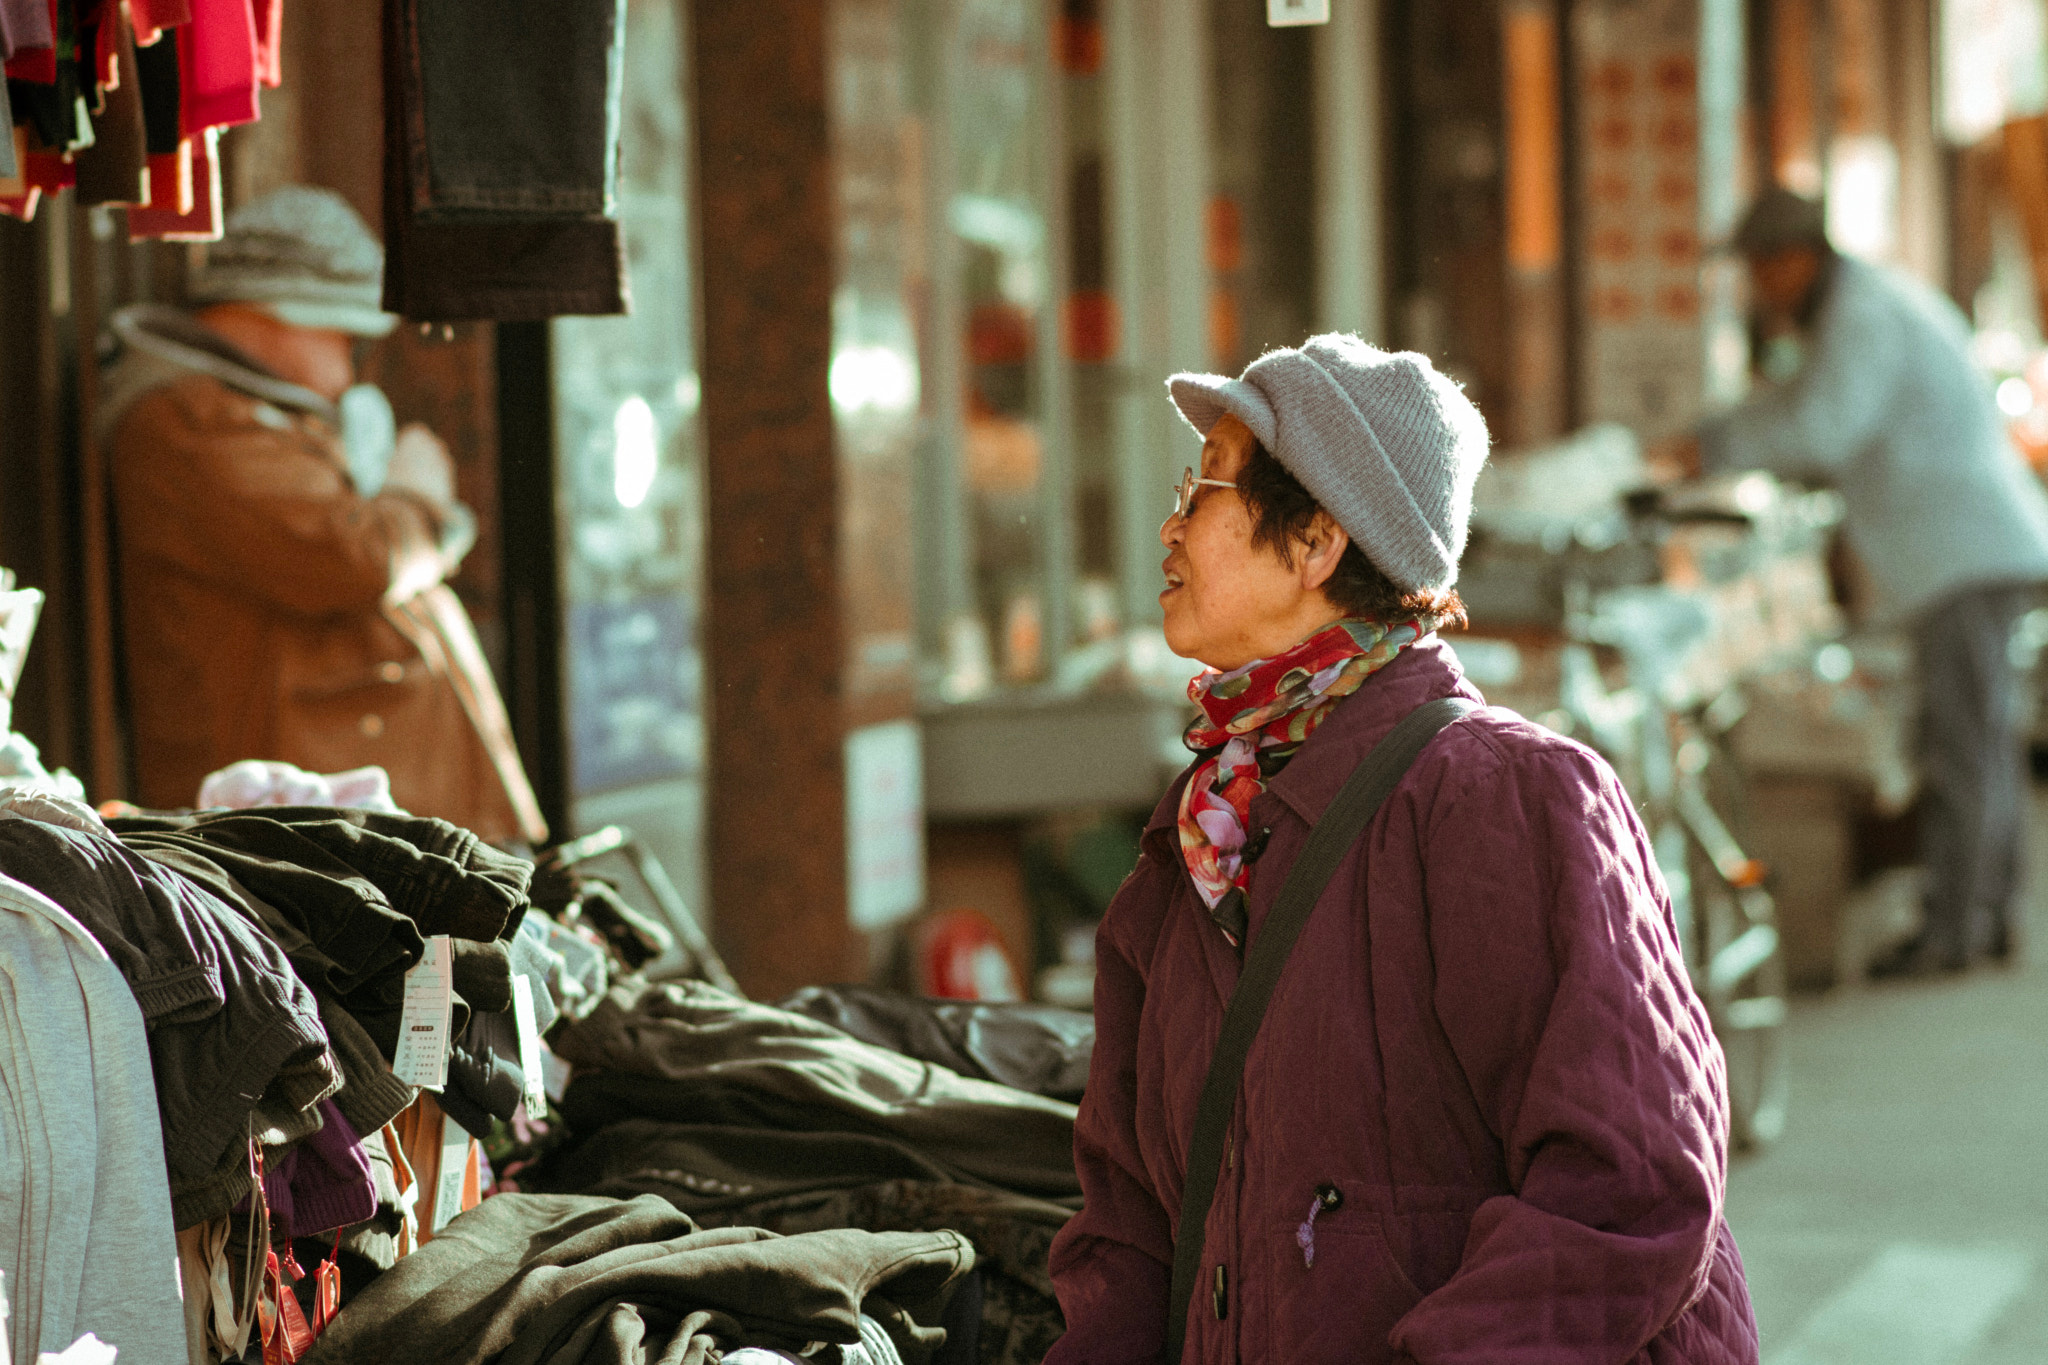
x=1334 y=1289
x=361 y=682
x=367 y=715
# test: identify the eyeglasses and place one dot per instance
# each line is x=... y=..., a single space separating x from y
x=1184 y=494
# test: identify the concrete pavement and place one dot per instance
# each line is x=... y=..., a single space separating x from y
x=1903 y=1217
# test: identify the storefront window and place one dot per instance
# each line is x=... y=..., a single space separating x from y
x=1001 y=526
x=631 y=515
x=1060 y=277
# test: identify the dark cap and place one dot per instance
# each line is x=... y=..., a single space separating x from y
x=1780 y=219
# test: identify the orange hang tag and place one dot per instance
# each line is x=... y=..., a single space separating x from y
x=286 y=1338
x=326 y=1296
x=327 y=1289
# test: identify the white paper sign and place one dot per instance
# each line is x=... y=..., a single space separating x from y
x=423 y=1025
x=529 y=1045
x=1291 y=13
x=884 y=823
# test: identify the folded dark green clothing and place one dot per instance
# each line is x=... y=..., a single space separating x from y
x=485 y=1080
x=483 y=974
x=231 y=1028
x=1040 y=1048
x=566 y=1279
x=1019 y=1316
x=370 y=1096
x=689 y=1052
x=705 y=1169
x=342 y=936
x=347 y=893
x=1011 y=1233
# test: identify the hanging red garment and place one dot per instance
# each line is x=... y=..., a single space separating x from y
x=106 y=55
x=48 y=171
x=152 y=17
x=202 y=221
x=35 y=60
x=270 y=42
x=25 y=24
x=217 y=65
x=42 y=172
x=170 y=180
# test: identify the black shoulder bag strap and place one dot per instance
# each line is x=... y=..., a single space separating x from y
x=1345 y=819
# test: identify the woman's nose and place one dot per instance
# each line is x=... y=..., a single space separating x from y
x=1170 y=529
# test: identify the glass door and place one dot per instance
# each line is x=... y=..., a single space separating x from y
x=629 y=492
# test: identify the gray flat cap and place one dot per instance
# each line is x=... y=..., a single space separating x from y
x=304 y=255
x=1388 y=445
x=1780 y=219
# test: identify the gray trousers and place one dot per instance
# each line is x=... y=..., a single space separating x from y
x=1972 y=764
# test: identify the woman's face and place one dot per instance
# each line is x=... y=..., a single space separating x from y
x=1229 y=601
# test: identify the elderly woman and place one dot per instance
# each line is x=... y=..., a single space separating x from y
x=1483 y=1117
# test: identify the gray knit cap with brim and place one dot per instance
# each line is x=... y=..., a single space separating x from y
x=303 y=255
x=1385 y=443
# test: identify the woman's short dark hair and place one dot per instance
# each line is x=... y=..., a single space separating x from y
x=1281 y=513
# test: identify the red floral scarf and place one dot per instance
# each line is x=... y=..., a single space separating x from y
x=1253 y=720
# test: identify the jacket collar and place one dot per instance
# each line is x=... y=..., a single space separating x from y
x=155 y=346
x=1311 y=780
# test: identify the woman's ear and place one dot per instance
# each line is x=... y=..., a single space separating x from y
x=1321 y=549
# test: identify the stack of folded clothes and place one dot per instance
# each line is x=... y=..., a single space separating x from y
x=199 y=1015
x=743 y=1114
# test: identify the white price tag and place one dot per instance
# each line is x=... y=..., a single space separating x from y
x=1288 y=13
x=529 y=1045
x=454 y=1167
x=423 y=1026
x=556 y=1071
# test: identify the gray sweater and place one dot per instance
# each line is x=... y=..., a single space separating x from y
x=85 y=1208
x=1889 y=409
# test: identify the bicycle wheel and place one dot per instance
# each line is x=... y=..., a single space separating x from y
x=1741 y=976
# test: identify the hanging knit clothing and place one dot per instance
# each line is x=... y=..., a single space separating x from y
x=1253 y=720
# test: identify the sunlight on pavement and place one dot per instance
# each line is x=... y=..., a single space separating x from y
x=1913 y=1305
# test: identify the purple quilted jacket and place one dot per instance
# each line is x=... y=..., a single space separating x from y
x=1485 y=1121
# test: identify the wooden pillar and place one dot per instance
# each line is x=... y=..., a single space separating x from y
x=1480 y=205
x=772 y=621
x=1795 y=116
x=1449 y=201
x=1531 y=78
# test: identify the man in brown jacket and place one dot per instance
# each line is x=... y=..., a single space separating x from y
x=283 y=590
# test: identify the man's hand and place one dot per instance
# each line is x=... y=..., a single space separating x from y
x=420 y=466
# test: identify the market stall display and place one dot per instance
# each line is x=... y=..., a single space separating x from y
x=365 y=1083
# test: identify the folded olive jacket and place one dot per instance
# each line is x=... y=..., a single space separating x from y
x=529 y=1279
x=1040 y=1048
x=709 y=1169
x=348 y=894
x=688 y=1052
x=1486 y=1118
x=270 y=611
x=233 y=1033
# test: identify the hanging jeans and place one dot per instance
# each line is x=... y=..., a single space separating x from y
x=501 y=128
